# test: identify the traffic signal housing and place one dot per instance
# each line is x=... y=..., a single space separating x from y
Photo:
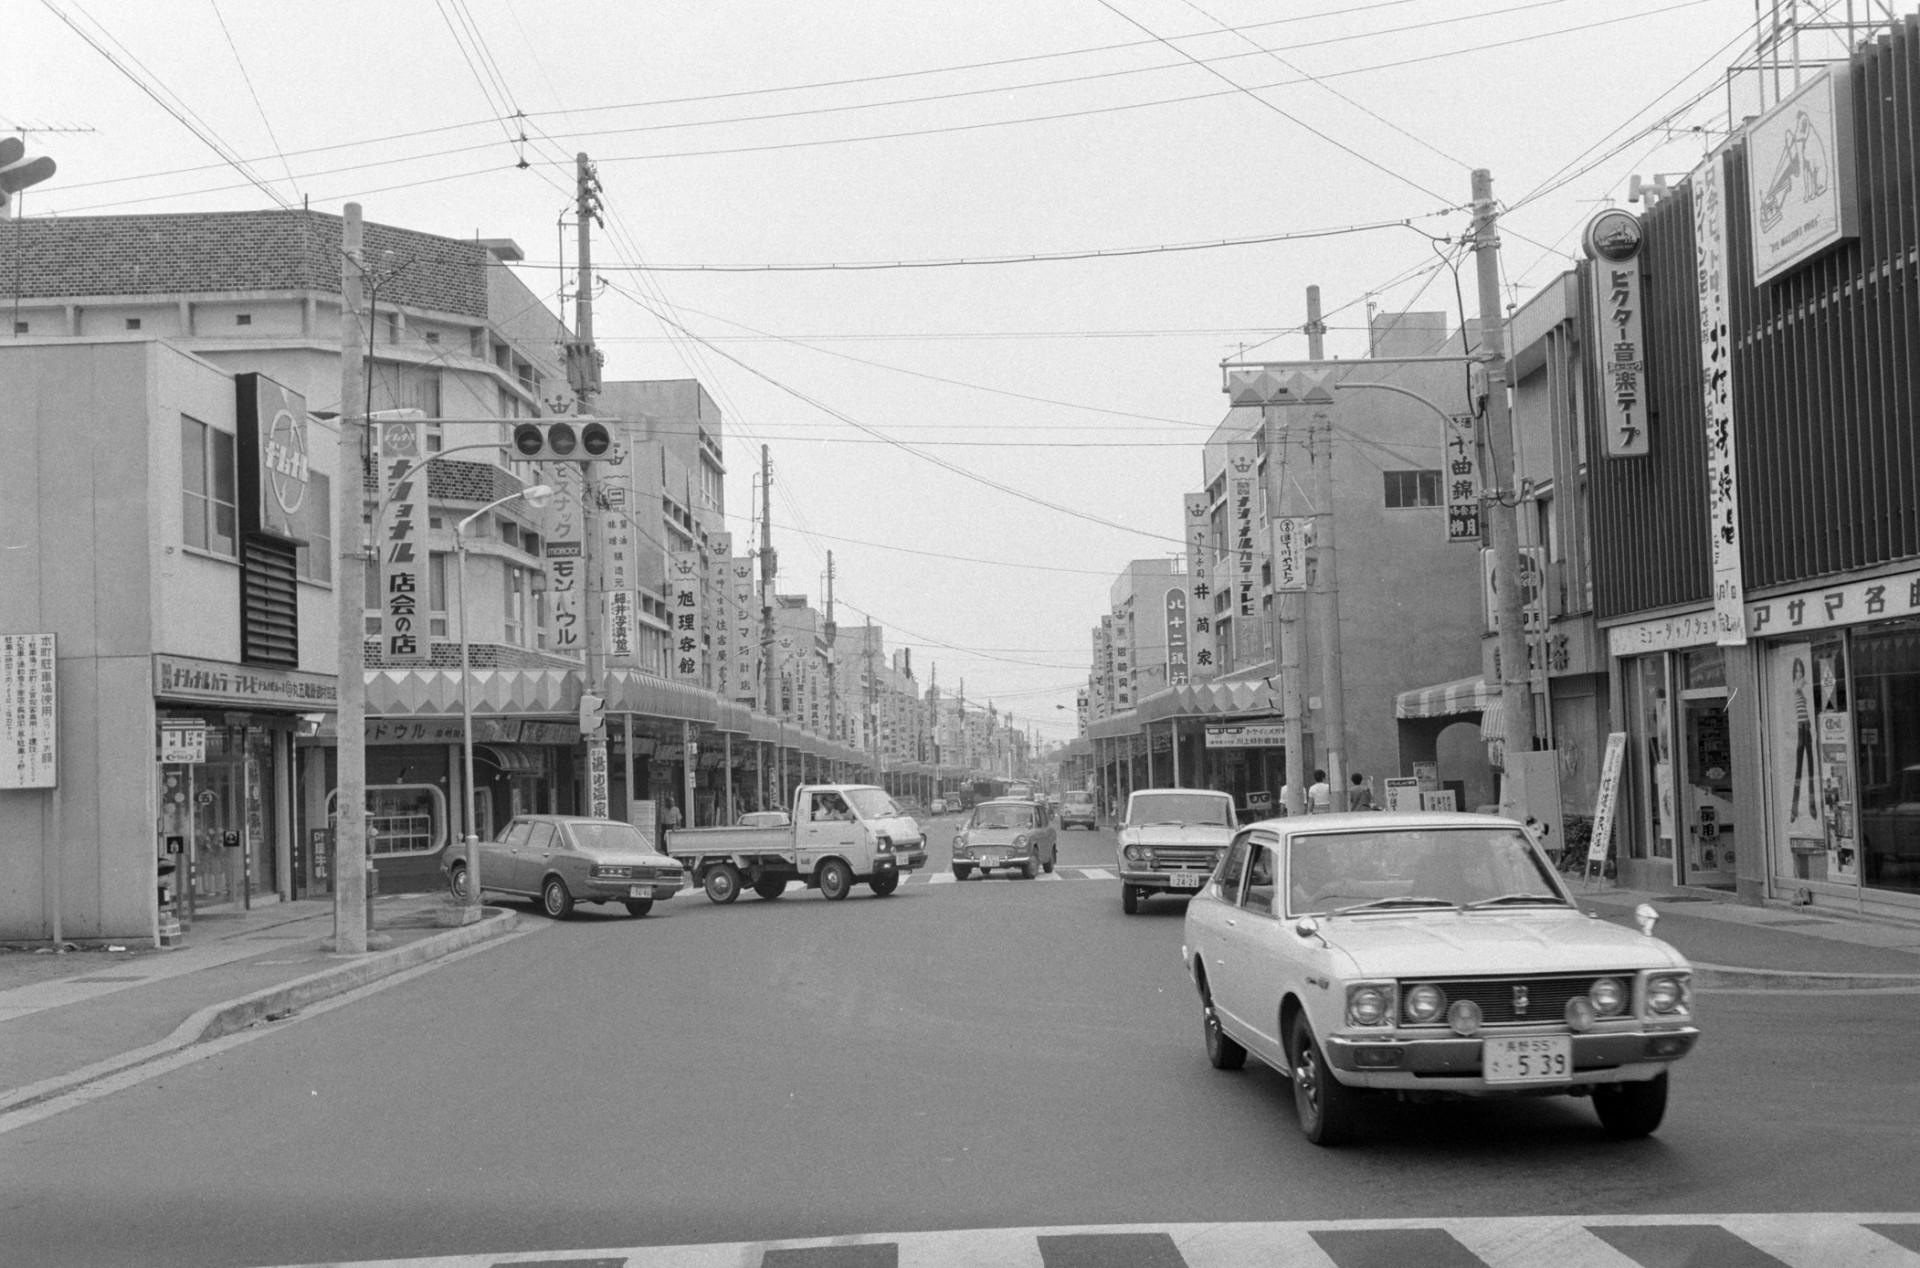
x=562 y=441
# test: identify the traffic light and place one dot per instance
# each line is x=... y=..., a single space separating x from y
x=17 y=171
x=574 y=441
x=593 y=715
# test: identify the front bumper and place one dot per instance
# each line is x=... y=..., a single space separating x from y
x=1452 y=1064
x=1150 y=878
x=1009 y=858
x=901 y=860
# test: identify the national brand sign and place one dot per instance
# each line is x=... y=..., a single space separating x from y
x=275 y=475
x=402 y=543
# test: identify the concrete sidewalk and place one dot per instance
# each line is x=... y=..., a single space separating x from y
x=68 y=1019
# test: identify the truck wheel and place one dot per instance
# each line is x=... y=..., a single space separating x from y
x=1130 y=900
x=770 y=887
x=555 y=899
x=836 y=880
x=722 y=883
x=885 y=883
x=638 y=907
x=962 y=872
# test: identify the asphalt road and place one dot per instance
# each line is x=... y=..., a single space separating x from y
x=958 y=1055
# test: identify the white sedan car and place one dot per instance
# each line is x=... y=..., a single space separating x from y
x=1414 y=955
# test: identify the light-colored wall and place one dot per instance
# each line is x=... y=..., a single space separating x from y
x=157 y=320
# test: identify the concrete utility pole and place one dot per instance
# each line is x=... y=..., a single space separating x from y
x=585 y=373
x=872 y=722
x=833 y=662
x=1333 y=693
x=350 y=510
x=1503 y=498
x=769 y=568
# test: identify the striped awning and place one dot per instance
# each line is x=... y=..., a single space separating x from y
x=1446 y=699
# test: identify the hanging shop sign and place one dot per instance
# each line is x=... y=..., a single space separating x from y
x=270 y=423
x=1460 y=445
x=566 y=583
x=1533 y=576
x=1801 y=192
x=1122 y=660
x=28 y=711
x=1201 y=583
x=403 y=544
x=746 y=643
x=722 y=627
x=1176 y=636
x=1247 y=735
x=1613 y=242
x=685 y=654
x=618 y=576
x=1713 y=260
x=1292 y=538
x=1241 y=468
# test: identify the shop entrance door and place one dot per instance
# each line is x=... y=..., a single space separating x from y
x=1708 y=819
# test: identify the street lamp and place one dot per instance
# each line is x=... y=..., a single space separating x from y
x=535 y=496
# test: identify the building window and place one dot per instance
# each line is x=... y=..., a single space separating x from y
x=1413 y=488
x=314 y=560
x=243 y=319
x=432 y=336
x=209 y=518
x=516 y=606
x=437 y=594
x=133 y=323
x=20 y=327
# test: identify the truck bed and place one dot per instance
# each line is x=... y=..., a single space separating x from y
x=695 y=843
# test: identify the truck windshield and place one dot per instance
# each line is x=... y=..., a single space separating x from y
x=872 y=803
x=1180 y=808
x=609 y=836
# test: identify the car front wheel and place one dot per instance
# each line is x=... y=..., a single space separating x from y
x=1629 y=1111
x=1222 y=1052
x=1325 y=1105
x=555 y=899
x=1130 y=900
x=638 y=907
x=962 y=872
x=885 y=883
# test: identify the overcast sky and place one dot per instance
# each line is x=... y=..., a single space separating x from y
x=757 y=132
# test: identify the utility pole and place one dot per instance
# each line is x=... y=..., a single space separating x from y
x=1326 y=582
x=833 y=662
x=1503 y=499
x=1287 y=603
x=350 y=510
x=769 y=568
x=584 y=372
x=873 y=729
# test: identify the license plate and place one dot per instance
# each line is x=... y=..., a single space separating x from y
x=1189 y=880
x=639 y=891
x=992 y=860
x=1534 y=1059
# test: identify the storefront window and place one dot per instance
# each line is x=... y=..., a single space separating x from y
x=1650 y=741
x=216 y=818
x=1886 y=713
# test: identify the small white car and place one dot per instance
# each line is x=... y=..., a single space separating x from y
x=1419 y=955
x=939 y=806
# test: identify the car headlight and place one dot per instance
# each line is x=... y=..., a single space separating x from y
x=1137 y=853
x=1609 y=996
x=1020 y=843
x=1370 y=1005
x=881 y=841
x=1426 y=1003
x=1667 y=993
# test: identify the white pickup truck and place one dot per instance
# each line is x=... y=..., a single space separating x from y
x=841 y=834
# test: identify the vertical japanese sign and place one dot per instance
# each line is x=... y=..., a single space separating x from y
x=28 y=713
x=1200 y=583
x=746 y=640
x=1607 y=800
x=722 y=625
x=566 y=584
x=403 y=544
x=1242 y=494
x=1712 y=262
x=1103 y=663
x=1460 y=451
x=1122 y=660
x=1613 y=241
x=1081 y=709
x=617 y=573
x=1176 y=637
x=686 y=655
x=1292 y=535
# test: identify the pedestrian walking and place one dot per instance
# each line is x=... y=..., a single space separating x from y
x=670 y=814
x=1319 y=794
x=1360 y=795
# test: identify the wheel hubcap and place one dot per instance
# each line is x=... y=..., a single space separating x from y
x=1306 y=1076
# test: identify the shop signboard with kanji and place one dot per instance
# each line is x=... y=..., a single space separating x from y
x=1460 y=445
x=1292 y=535
x=566 y=588
x=1713 y=260
x=402 y=544
x=1200 y=585
x=686 y=656
x=1613 y=241
x=1176 y=636
x=28 y=711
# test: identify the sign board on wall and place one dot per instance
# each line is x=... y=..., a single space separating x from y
x=1247 y=735
x=1176 y=636
x=1613 y=241
x=402 y=537
x=1292 y=536
x=1201 y=582
x=1712 y=259
x=686 y=656
x=217 y=682
x=183 y=741
x=28 y=711
x=566 y=584
x=1800 y=182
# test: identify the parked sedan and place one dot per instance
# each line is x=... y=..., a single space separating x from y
x=1419 y=955
x=1005 y=833
x=562 y=860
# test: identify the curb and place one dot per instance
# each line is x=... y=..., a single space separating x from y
x=1729 y=977
x=215 y=1020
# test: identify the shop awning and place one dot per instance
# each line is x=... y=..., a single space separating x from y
x=1112 y=728
x=1210 y=700
x=630 y=691
x=512 y=758
x=1446 y=699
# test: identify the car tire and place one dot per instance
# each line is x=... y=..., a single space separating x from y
x=1223 y=1053
x=1130 y=900
x=1629 y=1111
x=457 y=881
x=770 y=887
x=836 y=880
x=884 y=884
x=962 y=872
x=1051 y=860
x=555 y=899
x=638 y=907
x=1324 y=1104
x=1031 y=868
x=722 y=883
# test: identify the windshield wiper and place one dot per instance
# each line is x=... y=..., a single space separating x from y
x=1379 y=904
x=1517 y=898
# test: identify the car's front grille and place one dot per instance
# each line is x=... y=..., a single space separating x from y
x=1513 y=1001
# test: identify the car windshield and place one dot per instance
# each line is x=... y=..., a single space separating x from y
x=609 y=836
x=1180 y=808
x=873 y=803
x=1002 y=817
x=1412 y=867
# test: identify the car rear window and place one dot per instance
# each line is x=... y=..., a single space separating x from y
x=1079 y=799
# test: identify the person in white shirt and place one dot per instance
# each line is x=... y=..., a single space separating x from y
x=1319 y=794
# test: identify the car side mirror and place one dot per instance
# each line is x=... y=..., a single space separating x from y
x=1644 y=915
x=1306 y=927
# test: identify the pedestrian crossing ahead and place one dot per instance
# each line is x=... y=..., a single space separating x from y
x=1595 y=1241
x=1061 y=873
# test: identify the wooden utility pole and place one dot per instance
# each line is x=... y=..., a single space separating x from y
x=350 y=510
x=1503 y=497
